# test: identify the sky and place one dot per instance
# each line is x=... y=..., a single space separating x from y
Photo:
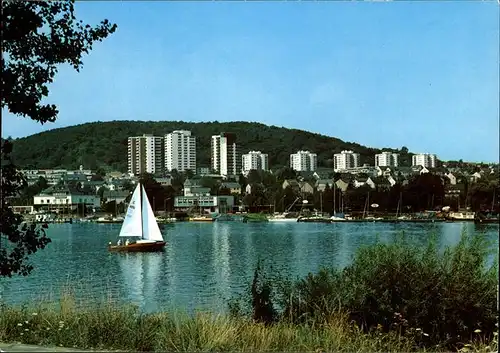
x=424 y=75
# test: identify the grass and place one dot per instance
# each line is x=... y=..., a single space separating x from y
x=112 y=327
x=109 y=326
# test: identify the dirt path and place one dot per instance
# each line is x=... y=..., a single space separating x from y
x=19 y=347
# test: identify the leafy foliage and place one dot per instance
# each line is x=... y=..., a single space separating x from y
x=104 y=144
x=23 y=239
x=37 y=36
x=434 y=297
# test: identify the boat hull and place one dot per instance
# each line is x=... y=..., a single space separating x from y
x=139 y=247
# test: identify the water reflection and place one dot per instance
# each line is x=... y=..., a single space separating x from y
x=221 y=258
x=141 y=278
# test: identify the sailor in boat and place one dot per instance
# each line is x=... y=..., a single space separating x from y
x=119 y=242
x=127 y=242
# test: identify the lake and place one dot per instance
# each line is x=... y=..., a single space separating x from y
x=204 y=264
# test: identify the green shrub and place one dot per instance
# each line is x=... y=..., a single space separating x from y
x=444 y=297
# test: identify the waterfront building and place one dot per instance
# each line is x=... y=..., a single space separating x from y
x=387 y=159
x=304 y=161
x=64 y=197
x=180 y=151
x=254 y=160
x=145 y=154
x=345 y=160
x=224 y=154
x=426 y=160
x=209 y=203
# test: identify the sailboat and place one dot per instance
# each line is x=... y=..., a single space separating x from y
x=139 y=224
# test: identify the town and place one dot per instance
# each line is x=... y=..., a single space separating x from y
x=245 y=183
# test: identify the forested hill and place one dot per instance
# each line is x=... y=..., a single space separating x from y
x=104 y=144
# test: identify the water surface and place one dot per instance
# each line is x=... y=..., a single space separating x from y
x=204 y=264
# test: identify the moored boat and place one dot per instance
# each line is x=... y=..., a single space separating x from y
x=139 y=229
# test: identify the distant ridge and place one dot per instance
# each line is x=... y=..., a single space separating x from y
x=104 y=144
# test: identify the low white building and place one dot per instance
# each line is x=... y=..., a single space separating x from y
x=63 y=197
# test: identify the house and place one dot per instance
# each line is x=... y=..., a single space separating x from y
x=475 y=177
x=451 y=178
x=305 y=187
x=164 y=181
x=322 y=183
x=363 y=180
x=118 y=196
x=384 y=171
x=391 y=180
x=342 y=185
x=193 y=188
x=405 y=172
x=235 y=188
x=423 y=170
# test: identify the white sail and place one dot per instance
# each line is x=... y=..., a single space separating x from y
x=150 y=228
x=131 y=226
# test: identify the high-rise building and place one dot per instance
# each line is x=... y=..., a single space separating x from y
x=145 y=154
x=386 y=159
x=254 y=160
x=180 y=151
x=224 y=154
x=426 y=160
x=303 y=161
x=345 y=160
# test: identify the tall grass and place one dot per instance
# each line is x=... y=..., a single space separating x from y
x=112 y=327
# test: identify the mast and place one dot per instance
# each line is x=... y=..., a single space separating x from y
x=334 y=206
x=142 y=219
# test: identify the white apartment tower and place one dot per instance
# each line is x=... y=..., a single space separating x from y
x=345 y=160
x=145 y=154
x=254 y=160
x=426 y=160
x=303 y=161
x=180 y=151
x=224 y=154
x=386 y=159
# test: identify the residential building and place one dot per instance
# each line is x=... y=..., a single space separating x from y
x=145 y=154
x=426 y=160
x=254 y=160
x=386 y=159
x=304 y=161
x=224 y=154
x=234 y=188
x=180 y=151
x=345 y=160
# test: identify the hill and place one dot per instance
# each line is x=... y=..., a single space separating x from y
x=104 y=144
